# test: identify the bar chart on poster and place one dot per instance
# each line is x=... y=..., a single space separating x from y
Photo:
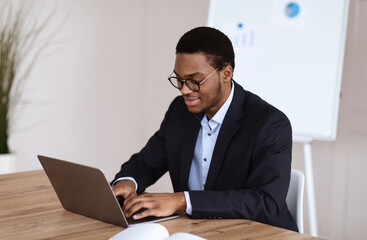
x=290 y=53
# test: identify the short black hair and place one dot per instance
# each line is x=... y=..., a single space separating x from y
x=214 y=44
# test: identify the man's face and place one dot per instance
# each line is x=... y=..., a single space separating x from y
x=213 y=92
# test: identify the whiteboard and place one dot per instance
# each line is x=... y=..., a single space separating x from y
x=290 y=53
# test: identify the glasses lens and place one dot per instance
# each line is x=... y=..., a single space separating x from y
x=194 y=86
x=175 y=82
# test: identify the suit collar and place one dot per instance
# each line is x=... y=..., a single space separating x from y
x=228 y=129
x=192 y=130
x=235 y=111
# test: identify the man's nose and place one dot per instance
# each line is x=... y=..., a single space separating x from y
x=185 y=90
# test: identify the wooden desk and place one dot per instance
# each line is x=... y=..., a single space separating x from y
x=30 y=209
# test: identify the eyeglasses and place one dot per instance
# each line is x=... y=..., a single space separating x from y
x=191 y=84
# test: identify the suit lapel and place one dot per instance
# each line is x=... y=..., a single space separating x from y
x=228 y=129
x=188 y=149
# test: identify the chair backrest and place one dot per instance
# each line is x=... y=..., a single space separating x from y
x=295 y=197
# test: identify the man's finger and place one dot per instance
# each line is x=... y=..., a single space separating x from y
x=143 y=214
x=129 y=201
x=124 y=189
x=135 y=206
x=118 y=191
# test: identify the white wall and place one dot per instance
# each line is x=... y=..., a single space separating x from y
x=98 y=98
x=103 y=92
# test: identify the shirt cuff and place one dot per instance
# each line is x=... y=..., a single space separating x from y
x=126 y=178
x=188 y=203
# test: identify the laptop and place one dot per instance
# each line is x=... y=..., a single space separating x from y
x=85 y=190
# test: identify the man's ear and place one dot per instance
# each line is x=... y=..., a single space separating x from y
x=228 y=73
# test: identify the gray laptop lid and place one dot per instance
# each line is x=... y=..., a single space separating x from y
x=83 y=190
x=86 y=191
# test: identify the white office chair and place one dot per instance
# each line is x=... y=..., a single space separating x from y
x=295 y=197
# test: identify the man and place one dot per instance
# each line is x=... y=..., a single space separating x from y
x=227 y=151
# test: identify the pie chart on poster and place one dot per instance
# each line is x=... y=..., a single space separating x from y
x=292 y=10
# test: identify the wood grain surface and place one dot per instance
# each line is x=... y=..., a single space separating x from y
x=30 y=209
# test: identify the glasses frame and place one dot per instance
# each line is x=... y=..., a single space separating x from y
x=188 y=81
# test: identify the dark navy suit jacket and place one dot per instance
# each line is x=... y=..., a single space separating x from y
x=250 y=168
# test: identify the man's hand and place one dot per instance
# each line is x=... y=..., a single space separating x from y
x=125 y=189
x=155 y=204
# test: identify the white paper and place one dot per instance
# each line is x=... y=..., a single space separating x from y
x=185 y=236
x=143 y=231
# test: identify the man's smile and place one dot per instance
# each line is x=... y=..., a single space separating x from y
x=191 y=101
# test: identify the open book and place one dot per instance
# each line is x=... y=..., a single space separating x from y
x=152 y=231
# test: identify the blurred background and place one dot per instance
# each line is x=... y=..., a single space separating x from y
x=100 y=90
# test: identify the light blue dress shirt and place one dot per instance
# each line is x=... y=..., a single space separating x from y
x=204 y=148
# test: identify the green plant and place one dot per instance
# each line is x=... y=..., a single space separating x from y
x=20 y=46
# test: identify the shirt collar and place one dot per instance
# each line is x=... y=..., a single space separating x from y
x=221 y=113
x=219 y=116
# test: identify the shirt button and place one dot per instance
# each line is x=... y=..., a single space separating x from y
x=209 y=134
x=204 y=159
